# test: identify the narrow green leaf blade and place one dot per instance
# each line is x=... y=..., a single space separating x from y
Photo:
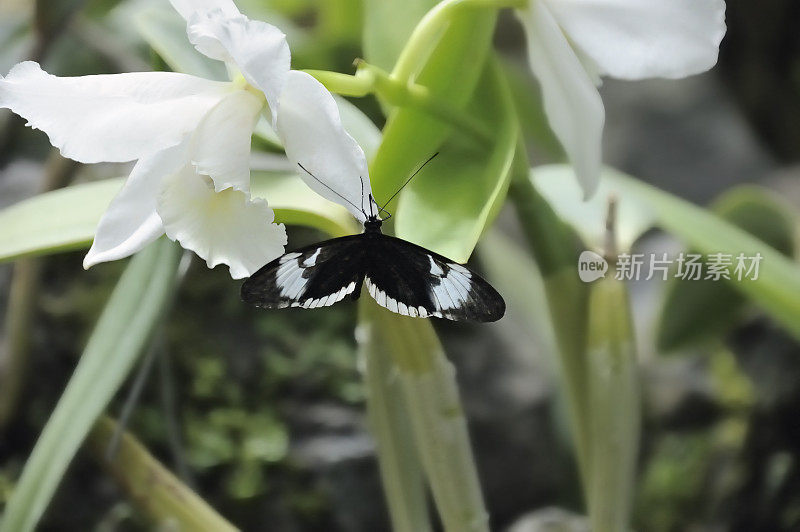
x=121 y=334
x=697 y=310
x=56 y=221
x=777 y=289
x=66 y=219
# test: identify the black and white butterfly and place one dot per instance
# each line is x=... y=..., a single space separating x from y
x=400 y=276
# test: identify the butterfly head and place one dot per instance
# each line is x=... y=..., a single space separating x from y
x=373 y=224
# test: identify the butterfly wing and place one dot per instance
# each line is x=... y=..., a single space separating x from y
x=413 y=281
x=311 y=277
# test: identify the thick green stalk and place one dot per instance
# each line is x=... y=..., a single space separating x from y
x=427 y=381
x=390 y=424
x=614 y=395
x=167 y=501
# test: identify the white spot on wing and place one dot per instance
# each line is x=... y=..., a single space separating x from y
x=453 y=289
x=310 y=261
x=460 y=269
x=436 y=270
x=293 y=285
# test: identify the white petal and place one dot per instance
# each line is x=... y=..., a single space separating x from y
x=187 y=8
x=312 y=135
x=635 y=39
x=259 y=50
x=131 y=221
x=221 y=144
x=114 y=117
x=571 y=101
x=221 y=227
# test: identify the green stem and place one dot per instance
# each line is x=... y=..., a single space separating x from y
x=362 y=84
x=370 y=79
x=613 y=387
x=152 y=487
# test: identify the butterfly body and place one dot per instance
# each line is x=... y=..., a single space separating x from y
x=400 y=276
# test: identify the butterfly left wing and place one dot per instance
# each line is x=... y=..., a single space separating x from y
x=413 y=281
x=311 y=277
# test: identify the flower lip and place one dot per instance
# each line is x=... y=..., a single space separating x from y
x=225 y=227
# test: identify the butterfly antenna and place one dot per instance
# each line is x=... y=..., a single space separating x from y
x=361 y=209
x=361 y=179
x=408 y=181
x=381 y=209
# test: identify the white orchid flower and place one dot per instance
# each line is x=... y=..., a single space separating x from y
x=571 y=43
x=191 y=140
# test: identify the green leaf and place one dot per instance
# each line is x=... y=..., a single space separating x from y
x=451 y=74
x=448 y=206
x=66 y=219
x=296 y=204
x=760 y=212
x=777 y=289
x=123 y=331
x=56 y=221
x=697 y=310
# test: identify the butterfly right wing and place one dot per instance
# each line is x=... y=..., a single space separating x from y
x=311 y=277
x=413 y=281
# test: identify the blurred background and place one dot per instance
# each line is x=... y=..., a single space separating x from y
x=262 y=413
